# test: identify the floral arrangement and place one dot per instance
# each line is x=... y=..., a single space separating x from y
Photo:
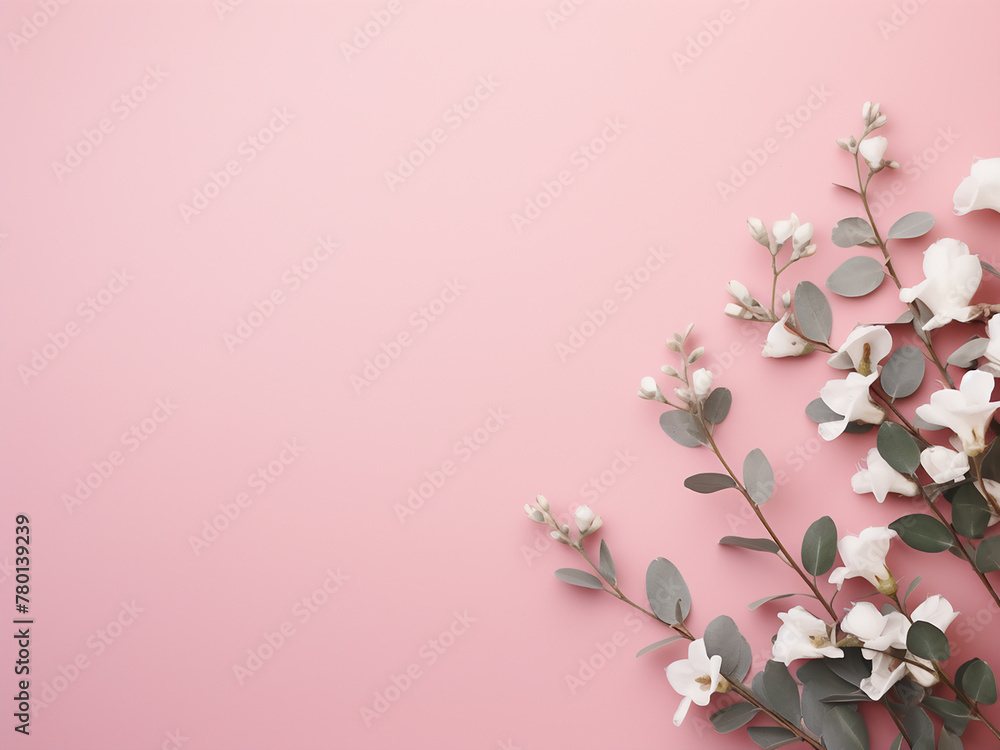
x=888 y=648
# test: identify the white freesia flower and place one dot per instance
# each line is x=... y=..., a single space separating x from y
x=695 y=678
x=783 y=343
x=701 y=382
x=992 y=353
x=587 y=521
x=649 y=390
x=981 y=189
x=880 y=479
x=966 y=411
x=758 y=231
x=943 y=464
x=782 y=229
x=952 y=278
x=864 y=557
x=879 y=633
x=873 y=149
x=803 y=636
x=850 y=399
x=938 y=612
x=851 y=353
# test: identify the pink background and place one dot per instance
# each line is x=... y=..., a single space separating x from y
x=466 y=554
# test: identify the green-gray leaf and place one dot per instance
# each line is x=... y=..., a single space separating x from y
x=723 y=637
x=757 y=545
x=924 y=533
x=903 y=373
x=898 y=448
x=813 y=313
x=856 y=277
x=667 y=592
x=770 y=738
x=915 y=224
x=844 y=729
x=760 y=602
x=758 y=477
x=733 y=717
x=607 y=564
x=709 y=482
x=897 y=743
x=949 y=741
x=927 y=641
x=978 y=681
x=683 y=428
x=913 y=584
x=782 y=691
x=967 y=354
x=716 y=407
x=659 y=644
x=819 y=546
x=988 y=554
x=579 y=578
x=970 y=515
x=819 y=412
x=851 y=232
x=956 y=716
x=988 y=268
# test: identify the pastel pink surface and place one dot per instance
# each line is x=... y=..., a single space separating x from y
x=490 y=397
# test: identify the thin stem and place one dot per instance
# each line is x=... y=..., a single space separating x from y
x=896 y=720
x=973 y=707
x=903 y=421
x=977 y=466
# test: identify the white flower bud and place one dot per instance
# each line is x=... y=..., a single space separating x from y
x=845 y=144
x=534 y=514
x=683 y=394
x=758 y=232
x=673 y=345
x=875 y=110
x=649 y=390
x=786 y=299
x=557 y=536
x=735 y=311
x=701 y=381
x=696 y=355
x=687 y=331
x=802 y=236
x=671 y=372
x=879 y=121
x=586 y=520
x=542 y=502
x=866 y=112
x=740 y=293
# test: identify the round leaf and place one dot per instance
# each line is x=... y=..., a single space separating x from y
x=710 y=482
x=903 y=373
x=924 y=533
x=844 y=729
x=927 y=641
x=898 y=448
x=856 y=277
x=716 y=407
x=771 y=738
x=967 y=354
x=683 y=428
x=579 y=578
x=782 y=691
x=733 y=717
x=758 y=477
x=978 y=681
x=723 y=637
x=851 y=232
x=988 y=554
x=970 y=515
x=915 y=224
x=812 y=311
x=819 y=546
x=667 y=592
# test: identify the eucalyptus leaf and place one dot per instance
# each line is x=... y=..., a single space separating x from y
x=782 y=691
x=856 y=277
x=760 y=602
x=607 y=564
x=990 y=466
x=757 y=545
x=949 y=741
x=897 y=743
x=898 y=448
x=819 y=546
x=659 y=644
x=915 y=224
x=852 y=667
x=970 y=514
x=919 y=727
x=913 y=585
x=770 y=738
x=844 y=729
x=923 y=424
x=903 y=373
x=926 y=640
x=988 y=268
x=924 y=533
x=851 y=232
x=819 y=412
x=955 y=715
x=722 y=637
x=814 y=710
x=683 y=428
x=967 y=354
x=978 y=681
x=579 y=578
x=813 y=313
x=716 y=407
x=988 y=554
x=667 y=592
x=733 y=717
x=758 y=476
x=709 y=482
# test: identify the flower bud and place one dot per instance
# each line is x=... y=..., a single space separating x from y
x=534 y=514
x=701 y=381
x=786 y=299
x=669 y=371
x=759 y=232
x=673 y=345
x=880 y=121
x=866 y=112
x=542 y=502
x=696 y=355
x=683 y=394
x=687 y=331
x=649 y=390
x=740 y=293
x=802 y=236
x=587 y=521
x=735 y=311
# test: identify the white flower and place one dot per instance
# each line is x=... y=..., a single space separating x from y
x=701 y=382
x=981 y=189
x=880 y=479
x=802 y=236
x=876 y=338
x=758 y=231
x=966 y=412
x=943 y=464
x=696 y=678
x=873 y=149
x=850 y=399
x=587 y=521
x=803 y=636
x=938 y=612
x=864 y=557
x=783 y=343
x=879 y=633
x=952 y=278
x=740 y=293
x=782 y=229
x=649 y=390
x=542 y=502
x=992 y=353
x=736 y=311
x=534 y=513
